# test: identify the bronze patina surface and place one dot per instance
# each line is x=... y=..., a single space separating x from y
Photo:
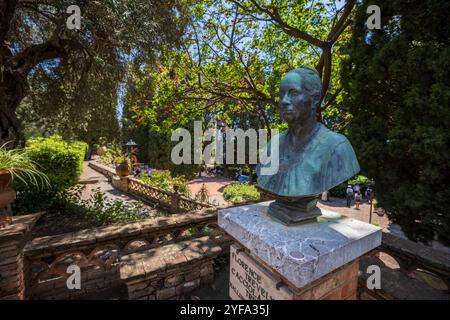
x=312 y=158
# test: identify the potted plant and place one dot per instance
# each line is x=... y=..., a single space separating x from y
x=14 y=163
x=123 y=165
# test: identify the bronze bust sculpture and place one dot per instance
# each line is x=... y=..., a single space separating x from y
x=312 y=158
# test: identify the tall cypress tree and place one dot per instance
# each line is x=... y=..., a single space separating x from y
x=397 y=87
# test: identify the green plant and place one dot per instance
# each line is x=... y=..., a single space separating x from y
x=20 y=166
x=101 y=210
x=164 y=180
x=339 y=191
x=203 y=195
x=113 y=151
x=60 y=160
x=241 y=192
x=396 y=84
x=122 y=159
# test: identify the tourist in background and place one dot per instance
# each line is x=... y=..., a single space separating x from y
x=349 y=193
x=358 y=197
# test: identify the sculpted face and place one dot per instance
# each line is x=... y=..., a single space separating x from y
x=297 y=106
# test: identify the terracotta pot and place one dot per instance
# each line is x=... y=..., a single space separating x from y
x=123 y=170
x=5 y=181
x=6 y=198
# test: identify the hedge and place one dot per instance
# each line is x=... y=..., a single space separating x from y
x=241 y=192
x=62 y=161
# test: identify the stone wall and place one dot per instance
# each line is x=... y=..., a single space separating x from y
x=97 y=251
x=169 y=271
x=13 y=269
x=409 y=270
x=105 y=170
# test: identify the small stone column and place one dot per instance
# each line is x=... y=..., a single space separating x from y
x=121 y=183
x=12 y=267
x=175 y=199
x=311 y=261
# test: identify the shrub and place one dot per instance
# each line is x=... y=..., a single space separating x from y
x=396 y=84
x=112 y=152
x=99 y=209
x=241 y=192
x=339 y=191
x=60 y=160
x=164 y=180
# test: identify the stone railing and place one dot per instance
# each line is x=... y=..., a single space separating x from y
x=97 y=252
x=409 y=270
x=170 y=201
x=105 y=170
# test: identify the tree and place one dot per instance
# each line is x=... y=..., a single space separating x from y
x=35 y=32
x=397 y=86
x=236 y=52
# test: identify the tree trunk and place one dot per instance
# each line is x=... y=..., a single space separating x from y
x=13 y=88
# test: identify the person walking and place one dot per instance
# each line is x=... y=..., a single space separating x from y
x=369 y=194
x=358 y=197
x=349 y=193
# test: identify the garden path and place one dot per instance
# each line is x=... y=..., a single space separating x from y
x=95 y=180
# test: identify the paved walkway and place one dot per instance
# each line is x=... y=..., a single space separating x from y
x=96 y=181
x=340 y=205
x=214 y=185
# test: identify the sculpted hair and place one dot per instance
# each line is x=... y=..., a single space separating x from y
x=312 y=82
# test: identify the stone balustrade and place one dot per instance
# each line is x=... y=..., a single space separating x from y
x=97 y=251
x=171 y=201
x=409 y=270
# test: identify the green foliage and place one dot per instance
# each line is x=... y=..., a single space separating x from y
x=397 y=86
x=112 y=152
x=227 y=73
x=122 y=159
x=60 y=160
x=164 y=180
x=74 y=83
x=241 y=192
x=339 y=191
x=203 y=195
x=101 y=210
x=19 y=165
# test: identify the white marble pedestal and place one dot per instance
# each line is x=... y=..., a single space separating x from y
x=316 y=260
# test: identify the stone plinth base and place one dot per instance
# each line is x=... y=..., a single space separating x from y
x=251 y=279
x=317 y=260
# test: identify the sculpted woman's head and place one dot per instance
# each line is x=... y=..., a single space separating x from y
x=300 y=91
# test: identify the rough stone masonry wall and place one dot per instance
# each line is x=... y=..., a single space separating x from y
x=97 y=252
x=93 y=279
x=169 y=271
x=172 y=283
x=13 y=270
